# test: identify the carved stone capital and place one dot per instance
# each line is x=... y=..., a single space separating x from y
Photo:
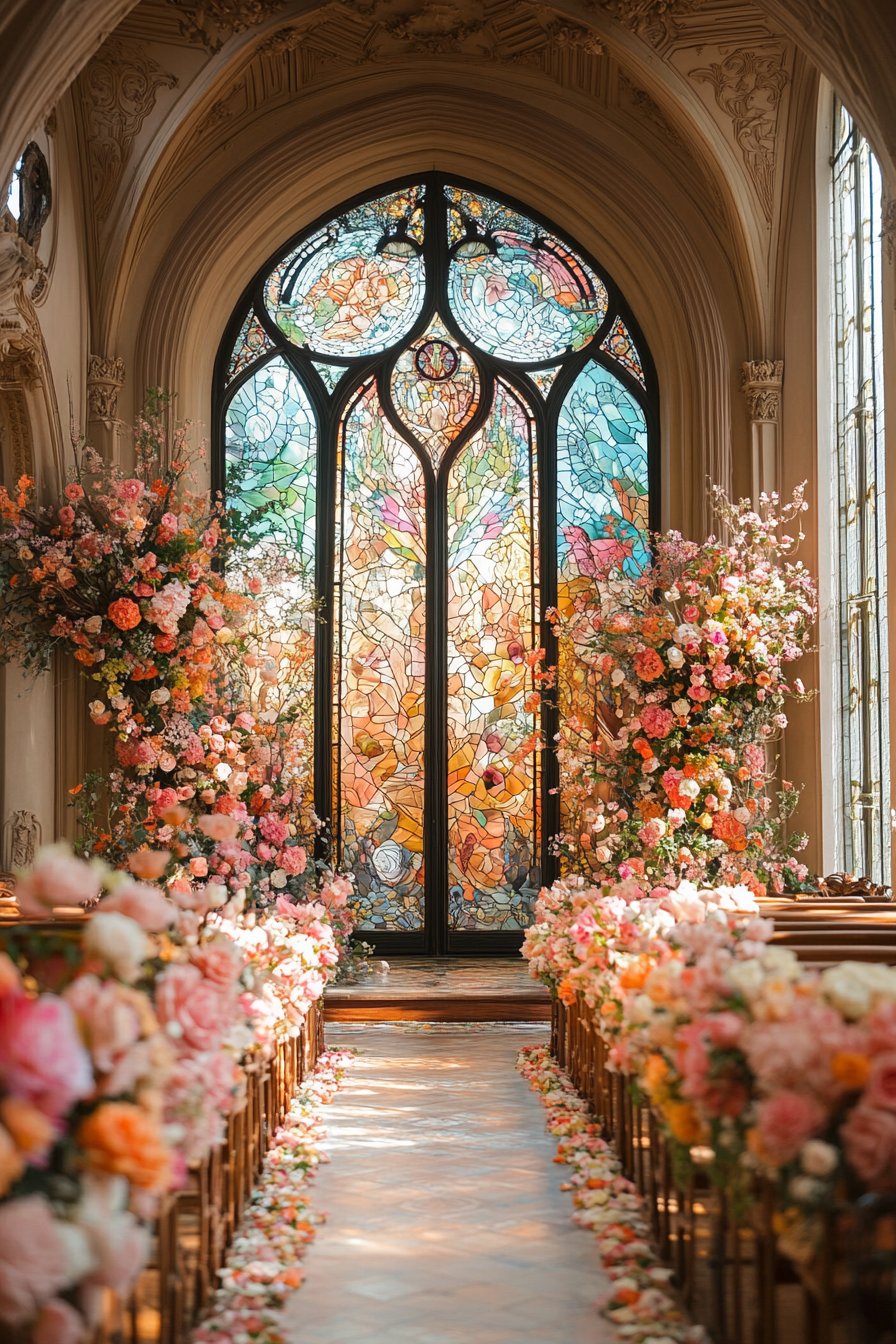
x=761 y=381
x=17 y=266
x=105 y=379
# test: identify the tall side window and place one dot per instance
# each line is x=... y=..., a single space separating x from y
x=859 y=446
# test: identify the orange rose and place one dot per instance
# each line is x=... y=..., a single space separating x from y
x=850 y=1070
x=683 y=1121
x=123 y=1140
x=649 y=665
x=725 y=826
x=124 y=613
x=31 y=1130
x=566 y=992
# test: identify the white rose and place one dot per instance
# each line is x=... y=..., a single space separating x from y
x=390 y=862
x=119 y=942
x=278 y=878
x=746 y=977
x=97 y=707
x=819 y=1158
x=689 y=788
x=806 y=1189
x=681 y=708
x=161 y=696
x=781 y=961
x=675 y=657
x=847 y=989
x=617 y=677
x=743 y=815
x=222 y=771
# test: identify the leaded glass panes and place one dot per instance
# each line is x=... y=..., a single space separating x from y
x=252 y=342
x=271 y=453
x=618 y=343
x=492 y=600
x=343 y=291
x=435 y=390
x=859 y=438
x=520 y=292
x=602 y=480
x=382 y=559
x=413 y=489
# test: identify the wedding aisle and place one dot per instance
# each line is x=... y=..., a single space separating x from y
x=446 y=1221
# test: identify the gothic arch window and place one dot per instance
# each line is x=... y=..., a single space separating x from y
x=443 y=406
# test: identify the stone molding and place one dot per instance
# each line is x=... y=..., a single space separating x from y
x=118 y=92
x=105 y=379
x=761 y=381
x=748 y=86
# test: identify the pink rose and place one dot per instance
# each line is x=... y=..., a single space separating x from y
x=34 y=1262
x=219 y=962
x=869 y=1141
x=42 y=1059
x=74 y=493
x=166 y=800
x=724 y=1029
x=786 y=1121
x=293 y=859
x=191 y=1008
x=58 y=1323
x=199 y=866
x=880 y=1090
x=144 y=904
x=168 y=606
x=57 y=878
x=66 y=516
x=129 y=490
x=171 y=522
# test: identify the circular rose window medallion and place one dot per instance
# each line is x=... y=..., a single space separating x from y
x=436 y=360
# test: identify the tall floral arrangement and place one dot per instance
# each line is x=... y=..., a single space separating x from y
x=672 y=689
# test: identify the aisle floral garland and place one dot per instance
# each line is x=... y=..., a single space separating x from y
x=639 y=1304
x=262 y=1270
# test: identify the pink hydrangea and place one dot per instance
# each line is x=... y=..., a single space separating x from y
x=293 y=859
x=786 y=1120
x=42 y=1058
x=656 y=721
x=273 y=829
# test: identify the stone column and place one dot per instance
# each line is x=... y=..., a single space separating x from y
x=761 y=385
x=28 y=718
x=105 y=379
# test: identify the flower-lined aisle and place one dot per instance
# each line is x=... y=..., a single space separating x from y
x=262 y=1269
x=124 y=1047
x=608 y=1204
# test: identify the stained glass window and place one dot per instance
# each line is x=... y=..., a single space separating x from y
x=438 y=376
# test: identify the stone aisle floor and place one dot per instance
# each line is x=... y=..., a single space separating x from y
x=446 y=1223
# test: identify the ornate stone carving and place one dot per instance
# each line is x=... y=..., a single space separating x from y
x=567 y=36
x=888 y=228
x=761 y=381
x=105 y=379
x=21 y=839
x=650 y=110
x=118 y=92
x=748 y=87
x=211 y=22
x=17 y=266
x=646 y=17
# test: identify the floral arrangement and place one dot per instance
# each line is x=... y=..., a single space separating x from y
x=753 y=1062
x=672 y=689
x=126 y=1071
x=262 y=1269
x=639 y=1305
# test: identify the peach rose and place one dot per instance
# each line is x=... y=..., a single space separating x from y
x=57 y=878
x=124 y=613
x=786 y=1121
x=149 y=864
x=191 y=1008
x=880 y=1089
x=122 y=1140
x=34 y=1261
x=143 y=904
x=31 y=1131
x=219 y=962
x=218 y=826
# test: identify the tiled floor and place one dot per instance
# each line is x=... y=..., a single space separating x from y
x=446 y=1222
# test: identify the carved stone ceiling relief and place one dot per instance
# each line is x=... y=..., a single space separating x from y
x=118 y=91
x=211 y=22
x=360 y=32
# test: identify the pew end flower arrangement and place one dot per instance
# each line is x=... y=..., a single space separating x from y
x=672 y=688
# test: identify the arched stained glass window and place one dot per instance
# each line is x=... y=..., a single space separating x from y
x=445 y=409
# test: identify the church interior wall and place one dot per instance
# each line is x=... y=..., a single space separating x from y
x=616 y=137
